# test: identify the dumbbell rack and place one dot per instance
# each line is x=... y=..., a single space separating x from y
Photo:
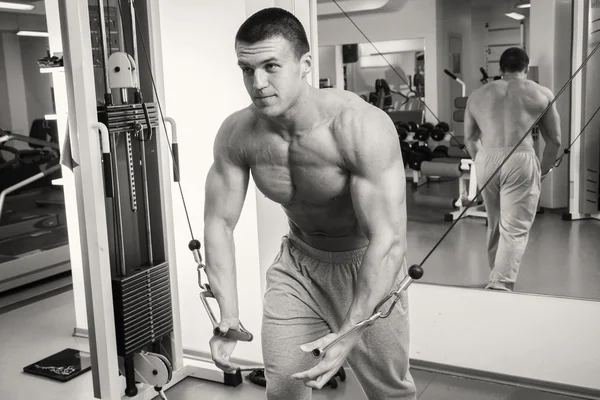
x=467 y=192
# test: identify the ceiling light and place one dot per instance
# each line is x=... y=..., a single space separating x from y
x=32 y=33
x=16 y=6
x=524 y=5
x=515 y=15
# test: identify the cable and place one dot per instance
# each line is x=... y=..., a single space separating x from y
x=145 y=51
x=480 y=190
x=568 y=149
x=462 y=147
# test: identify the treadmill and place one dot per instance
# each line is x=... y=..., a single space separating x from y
x=33 y=235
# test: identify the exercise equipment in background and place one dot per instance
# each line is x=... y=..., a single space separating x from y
x=33 y=232
x=464 y=171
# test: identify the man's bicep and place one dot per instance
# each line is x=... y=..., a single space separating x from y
x=472 y=131
x=379 y=203
x=378 y=182
x=226 y=184
x=550 y=122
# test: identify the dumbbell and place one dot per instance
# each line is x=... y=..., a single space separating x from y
x=422 y=134
x=412 y=126
x=402 y=129
x=417 y=156
x=440 y=151
x=428 y=125
x=439 y=132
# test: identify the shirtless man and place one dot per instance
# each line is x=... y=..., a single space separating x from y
x=499 y=114
x=334 y=164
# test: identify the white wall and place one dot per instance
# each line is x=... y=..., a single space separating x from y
x=327 y=63
x=530 y=336
x=554 y=62
x=5 y=122
x=37 y=85
x=199 y=96
x=415 y=19
x=17 y=101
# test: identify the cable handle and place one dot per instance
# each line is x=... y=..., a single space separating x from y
x=415 y=272
x=109 y=189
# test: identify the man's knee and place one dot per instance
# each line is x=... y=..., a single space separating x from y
x=281 y=385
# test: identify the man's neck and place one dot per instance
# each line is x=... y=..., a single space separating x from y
x=507 y=76
x=301 y=116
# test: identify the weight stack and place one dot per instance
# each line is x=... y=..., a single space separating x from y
x=142 y=308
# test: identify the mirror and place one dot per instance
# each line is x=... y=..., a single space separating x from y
x=390 y=40
x=33 y=230
x=361 y=67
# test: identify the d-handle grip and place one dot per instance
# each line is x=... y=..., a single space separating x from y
x=106 y=159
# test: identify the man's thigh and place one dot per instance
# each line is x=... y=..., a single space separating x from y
x=288 y=323
x=380 y=360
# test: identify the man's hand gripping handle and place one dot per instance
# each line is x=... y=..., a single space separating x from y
x=242 y=334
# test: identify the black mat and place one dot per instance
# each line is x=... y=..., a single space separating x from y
x=62 y=366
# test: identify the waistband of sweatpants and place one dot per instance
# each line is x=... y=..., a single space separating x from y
x=507 y=149
x=331 y=257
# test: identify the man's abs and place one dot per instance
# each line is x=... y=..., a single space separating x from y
x=506 y=110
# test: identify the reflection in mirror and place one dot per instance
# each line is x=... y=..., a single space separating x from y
x=377 y=53
x=389 y=74
x=33 y=231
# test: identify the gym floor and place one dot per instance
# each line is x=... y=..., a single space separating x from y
x=561 y=257
x=37 y=330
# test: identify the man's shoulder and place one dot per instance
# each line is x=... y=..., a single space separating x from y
x=242 y=118
x=355 y=113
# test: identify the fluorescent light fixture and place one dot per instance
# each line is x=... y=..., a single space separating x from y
x=515 y=15
x=16 y=6
x=524 y=5
x=33 y=33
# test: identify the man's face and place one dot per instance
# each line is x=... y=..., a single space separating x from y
x=272 y=74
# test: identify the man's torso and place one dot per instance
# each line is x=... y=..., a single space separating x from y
x=306 y=173
x=505 y=110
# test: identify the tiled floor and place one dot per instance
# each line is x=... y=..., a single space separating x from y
x=35 y=331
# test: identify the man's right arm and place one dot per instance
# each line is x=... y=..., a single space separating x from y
x=471 y=131
x=226 y=187
x=550 y=129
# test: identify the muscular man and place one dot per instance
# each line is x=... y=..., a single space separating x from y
x=499 y=114
x=334 y=164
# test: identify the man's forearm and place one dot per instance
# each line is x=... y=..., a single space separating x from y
x=472 y=148
x=377 y=275
x=220 y=267
x=549 y=156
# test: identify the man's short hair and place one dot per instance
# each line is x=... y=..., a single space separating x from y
x=514 y=59
x=273 y=22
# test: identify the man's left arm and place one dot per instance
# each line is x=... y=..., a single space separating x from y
x=378 y=189
x=371 y=153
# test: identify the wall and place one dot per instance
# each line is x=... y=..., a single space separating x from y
x=553 y=59
x=5 y=122
x=199 y=106
x=414 y=19
x=530 y=336
x=327 y=65
x=364 y=77
x=14 y=106
x=455 y=18
x=17 y=101
x=37 y=85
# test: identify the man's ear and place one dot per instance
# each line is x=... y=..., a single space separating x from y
x=306 y=62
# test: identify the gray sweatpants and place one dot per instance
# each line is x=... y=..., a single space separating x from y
x=511 y=200
x=308 y=294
